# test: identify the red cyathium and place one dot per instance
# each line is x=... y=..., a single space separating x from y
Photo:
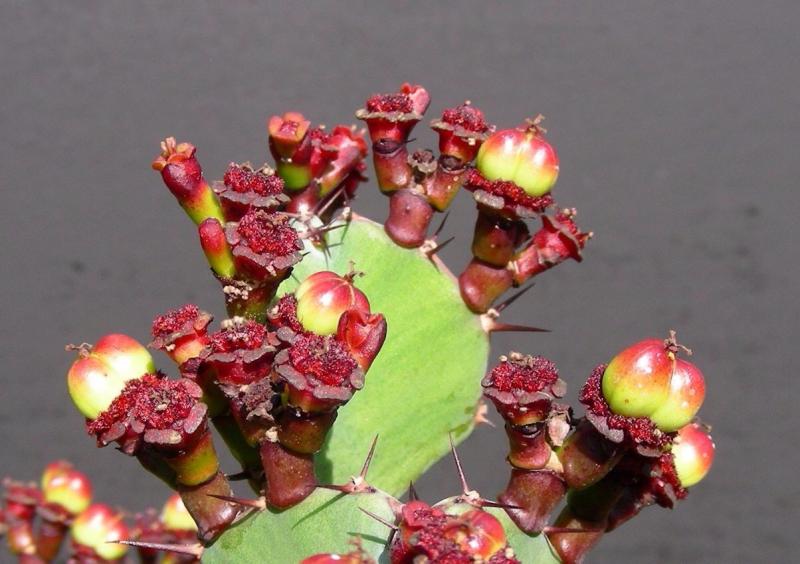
x=181 y=333
x=241 y=352
x=244 y=188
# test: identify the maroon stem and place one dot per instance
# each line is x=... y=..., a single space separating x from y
x=446 y=181
x=587 y=456
x=410 y=215
x=49 y=537
x=212 y=515
x=391 y=165
x=481 y=284
x=535 y=493
x=496 y=238
x=290 y=476
x=573 y=537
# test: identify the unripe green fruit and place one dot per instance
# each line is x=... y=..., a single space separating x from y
x=323 y=297
x=686 y=393
x=97 y=527
x=98 y=376
x=693 y=454
x=521 y=156
x=66 y=487
x=637 y=381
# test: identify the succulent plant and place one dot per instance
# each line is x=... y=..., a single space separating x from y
x=340 y=330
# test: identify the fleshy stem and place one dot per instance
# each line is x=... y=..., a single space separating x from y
x=183 y=176
x=164 y=421
x=496 y=237
x=523 y=389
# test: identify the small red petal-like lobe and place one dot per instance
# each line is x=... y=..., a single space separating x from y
x=286 y=133
x=179 y=168
x=363 y=334
x=395 y=102
x=559 y=239
x=157 y=402
x=639 y=431
x=348 y=148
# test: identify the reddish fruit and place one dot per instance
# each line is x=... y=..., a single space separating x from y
x=175 y=517
x=66 y=487
x=522 y=156
x=323 y=297
x=693 y=454
x=637 y=381
x=100 y=373
x=97 y=528
x=687 y=391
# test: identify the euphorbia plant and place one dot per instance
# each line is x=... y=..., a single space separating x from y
x=341 y=329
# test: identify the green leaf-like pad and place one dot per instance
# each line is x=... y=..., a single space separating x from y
x=327 y=521
x=425 y=382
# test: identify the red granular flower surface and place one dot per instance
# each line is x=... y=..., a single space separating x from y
x=564 y=218
x=466 y=116
x=284 y=314
x=323 y=358
x=532 y=374
x=174 y=320
x=668 y=476
x=512 y=194
x=640 y=430
x=245 y=335
x=159 y=403
x=242 y=179
x=390 y=103
x=268 y=233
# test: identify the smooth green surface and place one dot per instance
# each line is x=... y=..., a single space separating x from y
x=425 y=382
x=325 y=522
x=528 y=549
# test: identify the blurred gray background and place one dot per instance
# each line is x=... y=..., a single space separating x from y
x=676 y=125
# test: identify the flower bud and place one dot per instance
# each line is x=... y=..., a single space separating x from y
x=323 y=297
x=363 y=334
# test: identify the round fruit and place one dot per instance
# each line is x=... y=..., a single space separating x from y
x=522 y=156
x=693 y=454
x=323 y=297
x=687 y=390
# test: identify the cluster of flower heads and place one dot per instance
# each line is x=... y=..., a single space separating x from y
x=638 y=444
x=42 y=521
x=271 y=387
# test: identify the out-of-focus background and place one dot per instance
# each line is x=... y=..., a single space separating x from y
x=676 y=125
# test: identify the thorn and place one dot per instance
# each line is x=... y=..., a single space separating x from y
x=429 y=248
x=491 y=325
x=441 y=225
x=368 y=461
x=238 y=476
x=323 y=206
x=195 y=550
x=464 y=487
x=511 y=299
x=487 y=503
x=412 y=492
x=258 y=503
x=547 y=530
x=380 y=519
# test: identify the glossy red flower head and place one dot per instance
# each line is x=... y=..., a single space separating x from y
x=523 y=387
x=264 y=245
x=461 y=131
x=244 y=188
x=241 y=352
x=319 y=373
x=182 y=333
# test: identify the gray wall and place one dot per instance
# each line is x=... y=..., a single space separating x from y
x=674 y=122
